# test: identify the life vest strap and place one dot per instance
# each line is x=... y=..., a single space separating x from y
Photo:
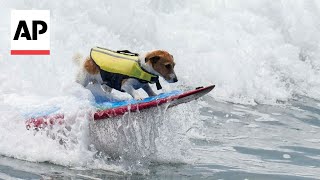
x=156 y=80
x=158 y=85
x=127 y=52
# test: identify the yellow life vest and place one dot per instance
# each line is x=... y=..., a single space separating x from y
x=117 y=65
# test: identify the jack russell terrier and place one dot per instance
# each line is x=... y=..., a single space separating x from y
x=125 y=71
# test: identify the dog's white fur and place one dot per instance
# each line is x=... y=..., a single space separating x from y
x=129 y=85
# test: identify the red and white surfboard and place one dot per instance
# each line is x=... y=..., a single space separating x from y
x=106 y=114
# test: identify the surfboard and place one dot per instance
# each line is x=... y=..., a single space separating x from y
x=108 y=109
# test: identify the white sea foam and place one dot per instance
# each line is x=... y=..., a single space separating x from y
x=254 y=51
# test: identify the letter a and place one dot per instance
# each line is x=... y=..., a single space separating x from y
x=22 y=25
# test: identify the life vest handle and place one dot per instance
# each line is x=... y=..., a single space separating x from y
x=127 y=52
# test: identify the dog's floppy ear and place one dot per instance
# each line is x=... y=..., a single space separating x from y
x=153 y=59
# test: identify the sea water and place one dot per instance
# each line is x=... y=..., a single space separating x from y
x=260 y=122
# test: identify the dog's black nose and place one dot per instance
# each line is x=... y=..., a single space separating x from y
x=175 y=79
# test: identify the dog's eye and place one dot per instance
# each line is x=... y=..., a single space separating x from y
x=168 y=66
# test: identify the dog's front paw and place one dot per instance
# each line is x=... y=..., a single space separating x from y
x=153 y=94
x=138 y=98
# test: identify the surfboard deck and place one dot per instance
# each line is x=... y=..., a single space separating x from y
x=109 y=109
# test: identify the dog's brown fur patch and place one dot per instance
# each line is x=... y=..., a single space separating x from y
x=162 y=62
x=91 y=66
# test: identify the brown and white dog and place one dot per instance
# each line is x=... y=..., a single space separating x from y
x=156 y=62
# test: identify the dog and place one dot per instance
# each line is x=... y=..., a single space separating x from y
x=158 y=62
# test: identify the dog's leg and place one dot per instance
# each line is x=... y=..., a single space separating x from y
x=130 y=90
x=82 y=78
x=148 y=90
x=106 y=88
x=127 y=86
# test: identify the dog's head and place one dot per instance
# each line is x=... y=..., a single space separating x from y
x=163 y=63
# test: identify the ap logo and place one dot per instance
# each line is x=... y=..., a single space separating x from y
x=30 y=32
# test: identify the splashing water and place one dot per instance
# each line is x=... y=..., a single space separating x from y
x=262 y=55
